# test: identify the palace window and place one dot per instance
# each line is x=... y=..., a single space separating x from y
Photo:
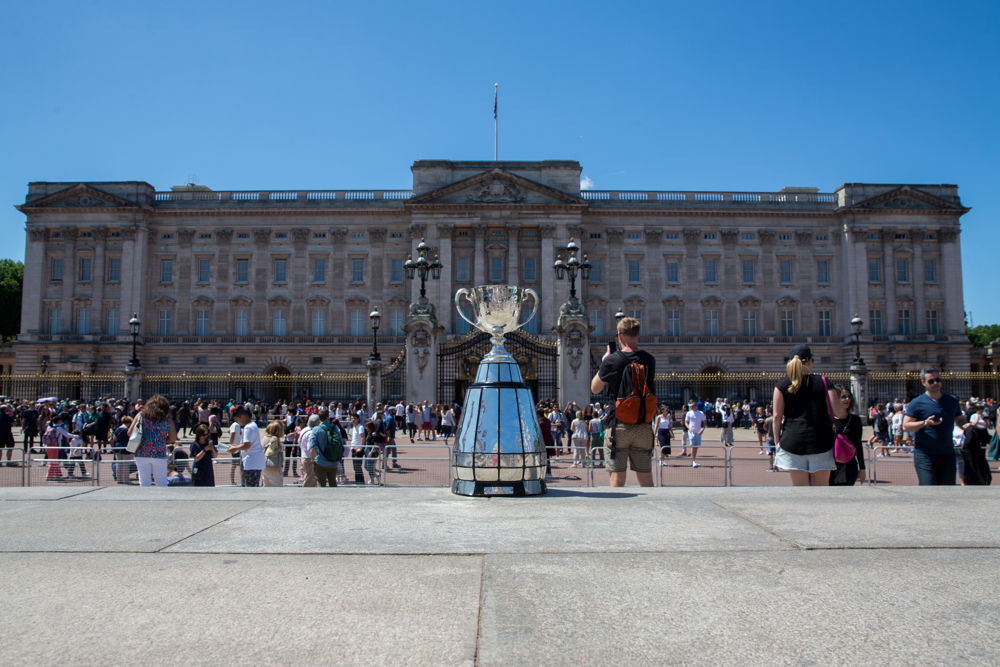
x=673 y=323
x=463 y=269
x=785 y=270
x=280 y=322
x=903 y=321
x=673 y=271
x=902 y=270
x=595 y=318
x=711 y=236
x=749 y=323
x=529 y=270
x=784 y=237
x=241 y=326
x=711 y=323
x=111 y=321
x=395 y=270
x=319 y=271
x=932 y=321
x=166 y=270
x=825 y=322
x=746 y=237
x=874 y=270
x=86 y=269
x=56 y=270
x=83 y=321
x=711 y=271
x=823 y=271
x=357 y=270
x=634 y=270
x=359 y=321
x=875 y=323
x=596 y=271
x=204 y=270
x=930 y=270
x=281 y=270
x=163 y=323
x=496 y=269
x=114 y=269
x=317 y=322
x=787 y=323
x=749 y=270
x=396 y=319
x=243 y=270
x=201 y=323
x=55 y=320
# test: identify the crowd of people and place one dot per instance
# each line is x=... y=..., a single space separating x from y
x=333 y=443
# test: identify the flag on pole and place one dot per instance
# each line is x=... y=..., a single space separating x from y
x=496 y=93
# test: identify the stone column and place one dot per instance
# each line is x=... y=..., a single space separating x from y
x=804 y=273
x=574 y=364
x=134 y=276
x=768 y=326
x=299 y=279
x=917 y=318
x=617 y=276
x=692 y=285
x=99 y=278
x=185 y=281
x=35 y=278
x=547 y=307
x=443 y=289
x=133 y=382
x=951 y=281
x=889 y=280
x=224 y=319
x=421 y=358
x=513 y=276
x=338 y=261
x=731 y=280
x=859 y=387
x=373 y=388
x=376 y=255
x=70 y=273
x=479 y=260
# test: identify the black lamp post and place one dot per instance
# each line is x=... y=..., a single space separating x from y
x=133 y=329
x=375 y=318
x=422 y=268
x=856 y=323
x=620 y=315
x=571 y=267
x=45 y=366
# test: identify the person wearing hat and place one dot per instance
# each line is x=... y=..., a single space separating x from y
x=803 y=430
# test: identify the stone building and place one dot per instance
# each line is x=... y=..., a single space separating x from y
x=283 y=281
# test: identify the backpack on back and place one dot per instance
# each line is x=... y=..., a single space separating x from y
x=334 y=449
x=636 y=402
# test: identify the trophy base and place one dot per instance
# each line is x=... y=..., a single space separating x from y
x=462 y=487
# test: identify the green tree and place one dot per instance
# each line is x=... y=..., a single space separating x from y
x=983 y=335
x=11 y=282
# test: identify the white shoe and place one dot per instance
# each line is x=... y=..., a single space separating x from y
x=695 y=464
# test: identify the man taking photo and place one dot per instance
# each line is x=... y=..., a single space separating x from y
x=931 y=417
x=626 y=443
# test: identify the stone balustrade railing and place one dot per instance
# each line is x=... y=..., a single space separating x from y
x=278 y=198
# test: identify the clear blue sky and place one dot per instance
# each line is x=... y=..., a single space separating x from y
x=646 y=95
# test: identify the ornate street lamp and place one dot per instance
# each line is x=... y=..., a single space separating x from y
x=375 y=318
x=571 y=267
x=45 y=366
x=422 y=268
x=856 y=323
x=133 y=329
x=620 y=315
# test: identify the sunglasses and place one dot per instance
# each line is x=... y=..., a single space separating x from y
x=845 y=397
x=933 y=380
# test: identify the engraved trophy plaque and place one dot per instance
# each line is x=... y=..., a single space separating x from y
x=498 y=449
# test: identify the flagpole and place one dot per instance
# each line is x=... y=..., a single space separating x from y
x=496 y=121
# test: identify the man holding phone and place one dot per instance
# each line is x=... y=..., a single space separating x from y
x=931 y=417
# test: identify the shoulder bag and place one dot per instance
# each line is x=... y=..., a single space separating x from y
x=135 y=439
x=843 y=448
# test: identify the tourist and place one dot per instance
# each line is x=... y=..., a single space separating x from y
x=274 y=454
x=202 y=452
x=803 y=432
x=661 y=428
x=356 y=433
x=320 y=454
x=157 y=432
x=626 y=444
x=124 y=463
x=580 y=437
x=728 y=420
x=931 y=417
x=7 y=431
x=695 y=421
x=846 y=423
x=760 y=426
x=251 y=450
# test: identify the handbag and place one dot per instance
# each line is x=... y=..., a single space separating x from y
x=135 y=439
x=843 y=448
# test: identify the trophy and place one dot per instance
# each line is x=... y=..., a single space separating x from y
x=499 y=449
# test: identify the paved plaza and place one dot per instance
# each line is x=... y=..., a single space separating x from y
x=871 y=575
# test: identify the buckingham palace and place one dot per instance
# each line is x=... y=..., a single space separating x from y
x=284 y=281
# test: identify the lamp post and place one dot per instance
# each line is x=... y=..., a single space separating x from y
x=571 y=267
x=856 y=323
x=423 y=268
x=45 y=366
x=375 y=317
x=133 y=329
x=620 y=315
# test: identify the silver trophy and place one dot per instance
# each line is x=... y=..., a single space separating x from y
x=499 y=449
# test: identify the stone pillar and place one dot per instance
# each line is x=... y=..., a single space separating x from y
x=889 y=280
x=444 y=286
x=859 y=387
x=479 y=259
x=99 y=277
x=513 y=261
x=918 y=320
x=951 y=282
x=574 y=358
x=692 y=285
x=338 y=276
x=133 y=382
x=70 y=274
x=547 y=307
x=35 y=278
x=373 y=388
x=300 y=278
x=421 y=358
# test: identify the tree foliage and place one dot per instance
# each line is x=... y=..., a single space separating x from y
x=983 y=335
x=11 y=282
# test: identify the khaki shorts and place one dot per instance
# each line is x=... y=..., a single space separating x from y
x=634 y=448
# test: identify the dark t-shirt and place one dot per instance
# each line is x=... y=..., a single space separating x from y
x=934 y=439
x=613 y=366
x=807 y=428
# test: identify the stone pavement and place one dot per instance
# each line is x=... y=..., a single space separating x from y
x=585 y=576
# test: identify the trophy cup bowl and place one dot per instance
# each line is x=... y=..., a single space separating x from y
x=498 y=448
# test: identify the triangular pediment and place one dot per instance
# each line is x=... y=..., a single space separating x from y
x=907 y=198
x=80 y=195
x=494 y=187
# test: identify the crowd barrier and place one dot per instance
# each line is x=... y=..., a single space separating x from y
x=430 y=465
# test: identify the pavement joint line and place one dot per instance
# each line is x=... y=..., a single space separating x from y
x=759 y=525
x=198 y=532
x=479 y=609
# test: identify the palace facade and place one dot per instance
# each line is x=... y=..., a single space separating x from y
x=283 y=281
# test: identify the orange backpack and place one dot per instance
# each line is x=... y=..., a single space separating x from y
x=636 y=402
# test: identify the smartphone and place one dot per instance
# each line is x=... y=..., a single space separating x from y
x=612 y=346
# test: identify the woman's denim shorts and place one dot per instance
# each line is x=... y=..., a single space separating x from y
x=808 y=462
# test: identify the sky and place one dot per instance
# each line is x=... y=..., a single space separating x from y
x=745 y=96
